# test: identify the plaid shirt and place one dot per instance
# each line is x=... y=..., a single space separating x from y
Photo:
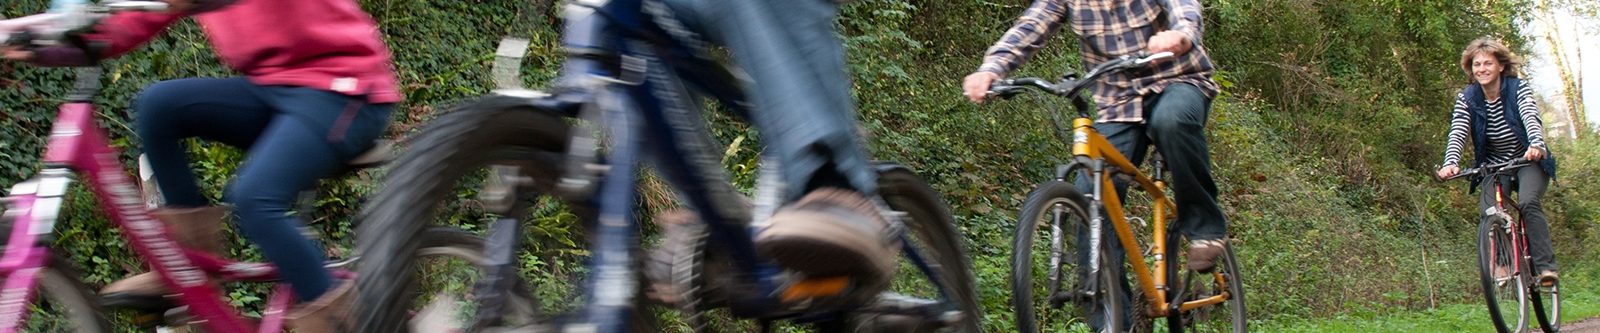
x=1110 y=29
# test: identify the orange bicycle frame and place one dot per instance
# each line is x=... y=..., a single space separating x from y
x=1090 y=145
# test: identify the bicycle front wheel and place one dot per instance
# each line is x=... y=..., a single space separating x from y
x=1504 y=288
x=64 y=303
x=400 y=278
x=1048 y=289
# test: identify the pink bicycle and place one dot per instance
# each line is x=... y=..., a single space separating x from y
x=78 y=146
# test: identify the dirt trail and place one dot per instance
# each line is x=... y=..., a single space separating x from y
x=1591 y=325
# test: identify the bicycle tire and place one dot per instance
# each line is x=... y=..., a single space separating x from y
x=1548 y=314
x=931 y=223
x=1238 y=319
x=1047 y=198
x=394 y=221
x=1488 y=255
x=58 y=282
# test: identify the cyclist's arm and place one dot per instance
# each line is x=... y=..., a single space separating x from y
x=116 y=35
x=1185 y=17
x=1459 y=121
x=1530 y=116
x=1037 y=24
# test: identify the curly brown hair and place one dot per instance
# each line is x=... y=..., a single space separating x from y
x=1508 y=60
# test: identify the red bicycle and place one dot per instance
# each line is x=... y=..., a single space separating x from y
x=1505 y=267
x=78 y=146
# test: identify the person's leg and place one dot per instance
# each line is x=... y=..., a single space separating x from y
x=314 y=134
x=804 y=109
x=1177 y=124
x=807 y=120
x=1532 y=183
x=166 y=113
x=1130 y=139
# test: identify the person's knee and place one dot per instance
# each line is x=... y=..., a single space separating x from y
x=157 y=103
x=1180 y=108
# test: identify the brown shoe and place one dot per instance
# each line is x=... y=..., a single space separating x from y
x=327 y=313
x=193 y=228
x=1203 y=254
x=1548 y=278
x=832 y=232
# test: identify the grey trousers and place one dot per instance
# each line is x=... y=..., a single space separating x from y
x=1529 y=186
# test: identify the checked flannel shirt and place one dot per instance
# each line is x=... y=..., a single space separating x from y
x=1107 y=30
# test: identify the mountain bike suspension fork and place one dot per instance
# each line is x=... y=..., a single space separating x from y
x=501 y=196
x=1096 y=222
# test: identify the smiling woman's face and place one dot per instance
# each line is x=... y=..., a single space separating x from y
x=1486 y=69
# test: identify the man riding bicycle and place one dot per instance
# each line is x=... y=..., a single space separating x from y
x=316 y=91
x=1166 y=105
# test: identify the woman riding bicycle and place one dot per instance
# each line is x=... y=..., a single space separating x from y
x=1497 y=137
x=317 y=90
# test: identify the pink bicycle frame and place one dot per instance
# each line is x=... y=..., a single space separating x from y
x=1519 y=244
x=78 y=144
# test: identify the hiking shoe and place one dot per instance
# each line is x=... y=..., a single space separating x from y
x=832 y=232
x=1548 y=278
x=1203 y=254
x=193 y=228
x=327 y=313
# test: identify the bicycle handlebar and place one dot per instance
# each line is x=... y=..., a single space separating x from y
x=1489 y=169
x=52 y=28
x=1069 y=84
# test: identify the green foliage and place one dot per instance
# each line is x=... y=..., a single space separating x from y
x=1333 y=117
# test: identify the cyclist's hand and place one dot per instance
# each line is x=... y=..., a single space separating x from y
x=15 y=53
x=1169 y=41
x=1448 y=171
x=1534 y=154
x=976 y=85
x=178 y=6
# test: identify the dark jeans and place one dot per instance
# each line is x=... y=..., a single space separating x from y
x=294 y=136
x=1175 y=123
x=1529 y=186
x=804 y=109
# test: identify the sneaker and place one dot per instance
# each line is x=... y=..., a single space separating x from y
x=1203 y=254
x=1548 y=278
x=832 y=232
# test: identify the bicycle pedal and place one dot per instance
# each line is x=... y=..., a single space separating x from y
x=814 y=288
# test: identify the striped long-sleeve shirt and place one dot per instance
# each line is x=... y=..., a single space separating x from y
x=1109 y=29
x=1502 y=144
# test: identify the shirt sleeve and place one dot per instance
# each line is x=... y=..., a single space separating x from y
x=1040 y=21
x=118 y=34
x=1458 y=132
x=1186 y=18
x=1529 y=108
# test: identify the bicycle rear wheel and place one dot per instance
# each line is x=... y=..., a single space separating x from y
x=1546 y=302
x=1048 y=291
x=1230 y=316
x=1504 y=288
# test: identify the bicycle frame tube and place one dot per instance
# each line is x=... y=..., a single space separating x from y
x=77 y=142
x=1087 y=143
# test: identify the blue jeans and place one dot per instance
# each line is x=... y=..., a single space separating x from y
x=803 y=106
x=293 y=136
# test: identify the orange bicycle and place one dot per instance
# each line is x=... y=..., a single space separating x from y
x=1070 y=292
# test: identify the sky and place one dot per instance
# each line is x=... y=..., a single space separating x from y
x=1541 y=66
